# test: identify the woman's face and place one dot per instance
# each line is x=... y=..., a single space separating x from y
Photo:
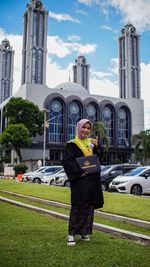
x=86 y=129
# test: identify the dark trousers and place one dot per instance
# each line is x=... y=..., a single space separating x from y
x=81 y=220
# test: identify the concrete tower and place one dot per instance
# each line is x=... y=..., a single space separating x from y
x=129 y=63
x=34 y=44
x=81 y=72
x=6 y=70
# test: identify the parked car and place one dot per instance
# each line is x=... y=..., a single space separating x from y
x=135 y=182
x=35 y=177
x=50 y=178
x=61 y=179
x=109 y=172
x=26 y=174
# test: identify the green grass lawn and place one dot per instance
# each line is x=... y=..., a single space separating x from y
x=97 y=219
x=122 y=204
x=30 y=239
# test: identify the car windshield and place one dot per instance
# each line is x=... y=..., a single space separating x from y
x=39 y=169
x=105 y=168
x=135 y=171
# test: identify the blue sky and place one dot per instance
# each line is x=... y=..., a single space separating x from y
x=84 y=27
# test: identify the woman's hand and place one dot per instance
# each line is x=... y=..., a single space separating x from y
x=94 y=142
x=83 y=174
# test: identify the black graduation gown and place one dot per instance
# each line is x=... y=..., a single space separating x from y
x=84 y=190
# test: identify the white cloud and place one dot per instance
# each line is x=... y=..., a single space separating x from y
x=104 y=87
x=56 y=46
x=74 y=37
x=62 y=17
x=87 y=2
x=105 y=27
x=56 y=74
x=81 y=11
x=99 y=75
x=87 y=48
x=114 y=66
x=135 y=11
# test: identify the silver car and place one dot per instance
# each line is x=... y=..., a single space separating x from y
x=35 y=177
x=50 y=178
x=26 y=174
x=62 y=179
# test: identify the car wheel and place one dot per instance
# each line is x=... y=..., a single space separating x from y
x=67 y=184
x=136 y=189
x=52 y=182
x=104 y=187
x=37 y=181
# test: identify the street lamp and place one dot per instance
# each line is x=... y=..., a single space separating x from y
x=45 y=111
x=46 y=125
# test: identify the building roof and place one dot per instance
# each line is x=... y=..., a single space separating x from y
x=70 y=86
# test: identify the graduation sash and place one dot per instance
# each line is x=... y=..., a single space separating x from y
x=84 y=146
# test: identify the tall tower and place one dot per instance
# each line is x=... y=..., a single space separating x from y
x=34 y=44
x=129 y=63
x=6 y=70
x=81 y=72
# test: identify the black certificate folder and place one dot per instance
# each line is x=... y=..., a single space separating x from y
x=90 y=164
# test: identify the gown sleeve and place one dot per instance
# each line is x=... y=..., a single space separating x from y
x=71 y=167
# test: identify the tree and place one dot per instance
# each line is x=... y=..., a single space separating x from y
x=16 y=136
x=100 y=131
x=142 y=146
x=23 y=111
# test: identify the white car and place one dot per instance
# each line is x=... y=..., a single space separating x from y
x=35 y=177
x=135 y=182
x=50 y=178
x=62 y=179
x=26 y=174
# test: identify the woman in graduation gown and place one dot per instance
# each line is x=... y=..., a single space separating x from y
x=86 y=191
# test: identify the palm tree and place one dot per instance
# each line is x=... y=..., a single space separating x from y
x=141 y=142
x=100 y=132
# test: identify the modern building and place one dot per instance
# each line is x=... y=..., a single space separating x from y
x=129 y=63
x=6 y=70
x=81 y=72
x=34 y=51
x=69 y=102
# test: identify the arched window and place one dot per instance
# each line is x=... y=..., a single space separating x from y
x=91 y=112
x=123 y=127
x=34 y=64
x=75 y=114
x=41 y=30
x=108 y=120
x=7 y=89
x=40 y=66
x=55 y=133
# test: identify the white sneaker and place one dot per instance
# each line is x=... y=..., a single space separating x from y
x=85 y=238
x=71 y=240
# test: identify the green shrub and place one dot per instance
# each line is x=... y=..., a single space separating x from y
x=20 y=168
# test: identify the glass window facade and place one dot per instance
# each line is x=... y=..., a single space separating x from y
x=75 y=114
x=55 y=132
x=123 y=128
x=108 y=120
x=91 y=112
x=63 y=117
